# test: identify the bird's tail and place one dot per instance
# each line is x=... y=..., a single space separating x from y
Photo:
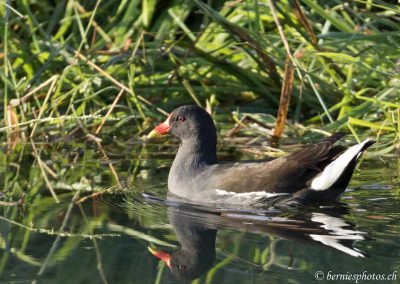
x=343 y=166
x=331 y=182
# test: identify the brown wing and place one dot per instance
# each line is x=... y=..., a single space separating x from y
x=286 y=174
x=319 y=152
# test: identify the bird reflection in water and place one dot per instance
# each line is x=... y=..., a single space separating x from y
x=196 y=229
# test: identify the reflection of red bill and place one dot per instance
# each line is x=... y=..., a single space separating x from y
x=166 y=257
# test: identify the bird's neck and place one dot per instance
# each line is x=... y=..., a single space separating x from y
x=190 y=163
x=197 y=153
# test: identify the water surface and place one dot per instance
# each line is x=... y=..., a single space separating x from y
x=101 y=229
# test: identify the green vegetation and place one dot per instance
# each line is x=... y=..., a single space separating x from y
x=79 y=64
x=75 y=71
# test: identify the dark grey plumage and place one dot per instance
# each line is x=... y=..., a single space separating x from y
x=197 y=176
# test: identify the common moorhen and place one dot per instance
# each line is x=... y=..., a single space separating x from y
x=317 y=173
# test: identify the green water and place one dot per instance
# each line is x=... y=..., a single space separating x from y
x=105 y=237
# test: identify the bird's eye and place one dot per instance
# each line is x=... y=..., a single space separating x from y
x=180 y=118
x=181 y=267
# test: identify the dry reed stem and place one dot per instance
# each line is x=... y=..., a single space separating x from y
x=49 y=92
x=109 y=111
x=43 y=171
x=286 y=93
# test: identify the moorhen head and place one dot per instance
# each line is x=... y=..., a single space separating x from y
x=189 y=123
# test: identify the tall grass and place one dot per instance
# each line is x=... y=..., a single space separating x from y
x=71 y=67
x=72 y=59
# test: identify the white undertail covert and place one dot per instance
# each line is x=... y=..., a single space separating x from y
x=335 y=169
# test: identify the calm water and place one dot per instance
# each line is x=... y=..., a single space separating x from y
x=105 y=237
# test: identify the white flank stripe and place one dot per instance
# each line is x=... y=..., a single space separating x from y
x=252 y=194
x=334 y=170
